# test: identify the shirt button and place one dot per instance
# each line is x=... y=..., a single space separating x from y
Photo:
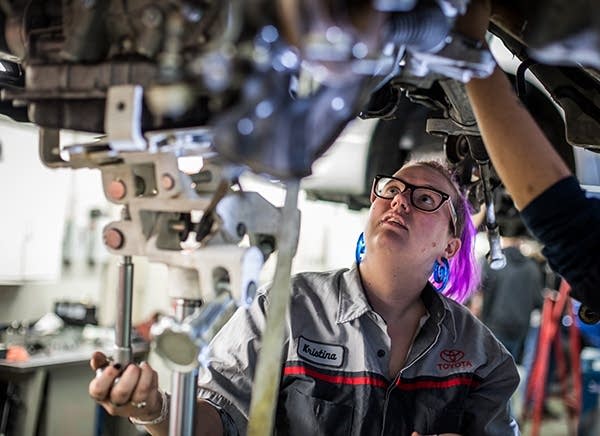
x=380 y=353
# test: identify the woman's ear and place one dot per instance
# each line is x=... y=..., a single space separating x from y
x=452 y=247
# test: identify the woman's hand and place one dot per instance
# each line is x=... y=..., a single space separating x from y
x=475 y=22
x=131 y=393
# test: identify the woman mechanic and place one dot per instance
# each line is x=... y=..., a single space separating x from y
x=375 y=349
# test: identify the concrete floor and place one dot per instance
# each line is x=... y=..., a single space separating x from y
x=550 y=427
x=557 y=426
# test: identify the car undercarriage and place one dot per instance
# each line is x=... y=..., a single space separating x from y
x=268 y=85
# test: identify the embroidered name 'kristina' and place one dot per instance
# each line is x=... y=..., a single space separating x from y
x=319 y=353
x=323 y=354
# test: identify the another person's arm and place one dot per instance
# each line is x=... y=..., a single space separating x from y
x=554 y=207
x=521 y=154
x=524 y=159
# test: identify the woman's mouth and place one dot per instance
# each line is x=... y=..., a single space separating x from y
x=395 y=222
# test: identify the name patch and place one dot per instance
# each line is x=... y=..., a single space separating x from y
x=323 y=354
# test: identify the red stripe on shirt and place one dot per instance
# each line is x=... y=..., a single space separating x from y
x=337 y=379
x=441 y=384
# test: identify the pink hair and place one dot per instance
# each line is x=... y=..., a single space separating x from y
x=464 y=269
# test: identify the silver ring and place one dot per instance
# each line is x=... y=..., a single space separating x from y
x=138 y=405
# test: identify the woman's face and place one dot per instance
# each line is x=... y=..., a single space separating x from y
x=397 y=227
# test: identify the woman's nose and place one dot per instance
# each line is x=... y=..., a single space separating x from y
x=401 y=200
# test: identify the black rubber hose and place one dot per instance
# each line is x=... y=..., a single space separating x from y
x=422 y=29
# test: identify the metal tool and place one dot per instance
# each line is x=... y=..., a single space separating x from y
x=461 y=121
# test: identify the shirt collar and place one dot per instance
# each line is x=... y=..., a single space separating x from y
x=438 y=306
x=353 y=302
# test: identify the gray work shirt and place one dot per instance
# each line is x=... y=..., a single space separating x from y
x=457 y=378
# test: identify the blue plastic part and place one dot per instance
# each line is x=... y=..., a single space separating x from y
x=360 y=248
x=441 y=273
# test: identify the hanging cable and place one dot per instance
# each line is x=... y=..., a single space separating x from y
x=520 y=77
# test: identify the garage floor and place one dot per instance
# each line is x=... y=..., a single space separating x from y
x=551 y=426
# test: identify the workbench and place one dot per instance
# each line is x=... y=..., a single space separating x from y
x=53 y=395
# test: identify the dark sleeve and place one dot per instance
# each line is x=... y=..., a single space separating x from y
x=487 y=407
x=487 y=292
x=567 y=223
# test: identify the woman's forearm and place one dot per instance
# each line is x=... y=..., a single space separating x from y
x=208 y=422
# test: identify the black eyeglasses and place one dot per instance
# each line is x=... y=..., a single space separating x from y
x=422 y=197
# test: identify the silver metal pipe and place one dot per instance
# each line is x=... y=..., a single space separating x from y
x=183 y=398
x=123 y=353
x=496 y=257
x=185 y=345
x=266 y=380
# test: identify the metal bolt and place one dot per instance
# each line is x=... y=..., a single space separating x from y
x=587 y=315
x=167 y=182
x=191 y=13
x=152 y=17
x=241 y=229
x=127 y=45
x=113 y=238
x=116 y=190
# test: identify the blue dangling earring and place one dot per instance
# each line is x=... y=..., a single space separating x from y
x=441 y=273
x=360 y=248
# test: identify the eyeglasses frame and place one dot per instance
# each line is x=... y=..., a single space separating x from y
x=446 y=198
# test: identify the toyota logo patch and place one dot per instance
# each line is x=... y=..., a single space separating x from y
x=452 y=356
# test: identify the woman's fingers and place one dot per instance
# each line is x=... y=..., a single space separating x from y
x=99 y=360
x=121 y=392
x=147 y=384
x=146 y=397
x=132 y=392
x=101 y=385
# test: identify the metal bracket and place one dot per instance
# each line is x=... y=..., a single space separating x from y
x=446 y=126
x=122 y=118
x=49 y=148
